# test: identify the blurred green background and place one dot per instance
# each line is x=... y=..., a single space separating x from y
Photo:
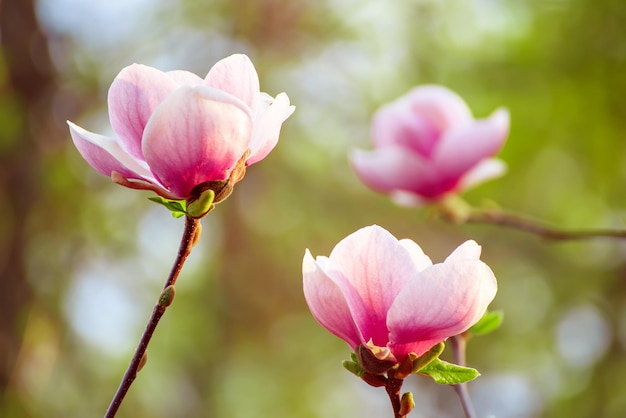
x=82 y=260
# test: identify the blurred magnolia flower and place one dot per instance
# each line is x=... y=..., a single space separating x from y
x=178 y=134
x=427 y=145
x=377 y=292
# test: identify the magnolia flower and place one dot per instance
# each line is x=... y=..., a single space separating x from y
x=175 y=132
x=377 y=292
x=427 y=145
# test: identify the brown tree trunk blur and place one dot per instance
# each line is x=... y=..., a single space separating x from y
x=25 y=87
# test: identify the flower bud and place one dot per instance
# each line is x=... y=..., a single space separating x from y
x=143 y=361
x=167 y=296
x=407 y=403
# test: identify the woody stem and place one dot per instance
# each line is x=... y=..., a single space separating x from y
x=187 y=242
x=393 y=388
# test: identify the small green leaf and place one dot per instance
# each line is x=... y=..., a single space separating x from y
x=446 y=373
x=200 y=207
x=353 y=367
x=423 y=360
x=490 y=321
x=177 y=207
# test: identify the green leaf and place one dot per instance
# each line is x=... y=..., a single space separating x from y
x=446 y=373
x=353 y=367
x=177 y=207
x=200 y=207
x=423 y=360
x=488 y=323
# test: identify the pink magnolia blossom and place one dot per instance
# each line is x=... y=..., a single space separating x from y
x=427 y=144
x=175 y=131
x=387 y=295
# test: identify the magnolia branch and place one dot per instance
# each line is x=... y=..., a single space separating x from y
x=191 y=235
x=533 y=226
x=456 y=210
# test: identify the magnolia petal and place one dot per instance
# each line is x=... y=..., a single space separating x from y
x=420 y=259
x=418 y=347
x=377 y=267
x=133 y=96
x=439 y=104
x=237 y=76
x=463 y=147
x=185 y=78
x=396 y=124
x=408 y=199
x=436 y=107
x=327 y=303
x=270 y=115
x=444 y=300
x=105 y=154
x=485 y=170
x=392 y=169
x=469 y=250
x=197 y=135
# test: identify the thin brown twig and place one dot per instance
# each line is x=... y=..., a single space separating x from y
x=187 y=242
x=533 y=226
x=454 y=209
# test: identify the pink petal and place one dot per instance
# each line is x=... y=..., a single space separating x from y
x=441 y=105
x=133 y=96
x=105 y=154
x=437 y=108
x=396 y=124
x=420 y=259
x=271 y=113
x=377 y=267
x=392 y=169
x=326 y=302
x=469 y=250
x=237 y=76
x=444 y=300
x=196 y=135
x=418 y=347
x=463 y=147
x=185 y=78
x=485 y=170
